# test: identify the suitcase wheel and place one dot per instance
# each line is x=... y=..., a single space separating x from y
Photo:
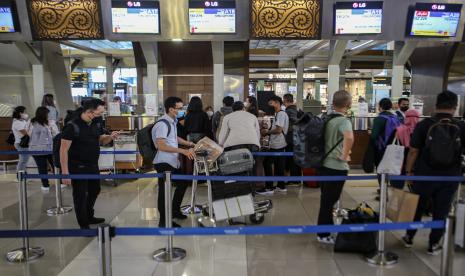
x=257 y=218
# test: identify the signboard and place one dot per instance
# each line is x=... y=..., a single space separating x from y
x=212 y=17
x=79 y=77
x=358 y=17
x=435 y=20
x=141 y=17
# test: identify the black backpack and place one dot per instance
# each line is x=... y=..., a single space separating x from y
x=11 y=139
x=309 y=140
x=57 y=144
x=145 y=143
x=443 y=145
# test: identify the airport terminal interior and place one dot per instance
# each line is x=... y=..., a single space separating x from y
x=135 y=54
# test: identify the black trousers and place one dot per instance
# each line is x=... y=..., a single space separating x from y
x=85 y=193
x=441 y=195
x=291 y=167
x=330 y=193
x=42 y=162
x=279 y=164
x=179 y=192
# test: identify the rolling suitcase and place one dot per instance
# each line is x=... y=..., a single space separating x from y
x=310 y=172
x=235 y=161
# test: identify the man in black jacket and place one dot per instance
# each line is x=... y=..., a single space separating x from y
x=294 y=114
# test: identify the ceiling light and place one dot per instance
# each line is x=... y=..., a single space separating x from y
x=176 y=39
x=101 y=67
x=314 y=67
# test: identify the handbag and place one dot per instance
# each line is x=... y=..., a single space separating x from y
x=402 y=205
x=368 y=163
x=24 y=143
x=393 y=159
x=11 y=139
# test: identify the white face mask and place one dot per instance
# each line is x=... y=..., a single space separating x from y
x=210 y=113
x=24 y=116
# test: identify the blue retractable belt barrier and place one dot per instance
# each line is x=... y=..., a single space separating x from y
x=32 y=152
x=201 y=231
x=92 y=176
x=428 y=178
x=272 y=178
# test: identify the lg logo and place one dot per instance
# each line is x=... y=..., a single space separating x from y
x=359 y=5
x=438 y=7
x=211 y=4
x=133 y=4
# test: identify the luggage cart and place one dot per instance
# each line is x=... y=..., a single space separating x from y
x=208 y=218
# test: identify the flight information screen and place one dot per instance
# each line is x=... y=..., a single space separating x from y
x=435 y=20
x=141 y=17
x=7 y=17
x=212 y=17
x=358 y=17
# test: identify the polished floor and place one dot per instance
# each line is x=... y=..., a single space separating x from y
x=133 y=203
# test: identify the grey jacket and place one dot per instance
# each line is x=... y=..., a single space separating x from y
x=216 y=119
x=41 y=138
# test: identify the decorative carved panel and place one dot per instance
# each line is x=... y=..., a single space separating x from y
x=65 y=19
x=286 y=19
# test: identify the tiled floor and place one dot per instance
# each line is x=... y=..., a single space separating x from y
x=134 y=204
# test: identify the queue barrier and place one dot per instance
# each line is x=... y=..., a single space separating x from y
x=27 y=152
x=167 y=254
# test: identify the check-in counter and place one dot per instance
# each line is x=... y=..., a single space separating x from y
x=131 y=122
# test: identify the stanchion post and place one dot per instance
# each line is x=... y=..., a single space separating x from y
x=380 y=257
x=192 y=208
x=104 y=242
x=59 y=209
x=208 y=221
x=169 y=253
x=447 y=257
x=25 y=253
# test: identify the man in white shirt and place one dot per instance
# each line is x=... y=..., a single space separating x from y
x=277 y=133
x=240 y=129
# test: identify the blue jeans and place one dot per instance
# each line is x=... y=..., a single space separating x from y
x=23 y=158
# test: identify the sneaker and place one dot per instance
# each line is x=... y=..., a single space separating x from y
x=326 y=240
x=265 y=192
x=408 y=241
x=294 y=184
x=96 y=220
x=434 y=249
x=281 y=190
x=45 y=189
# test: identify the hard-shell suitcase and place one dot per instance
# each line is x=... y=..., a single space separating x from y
x=235 y=161
x=310 y=172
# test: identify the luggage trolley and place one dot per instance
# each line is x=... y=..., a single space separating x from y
x=228 y=200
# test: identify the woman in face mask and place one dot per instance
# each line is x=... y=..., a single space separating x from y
x=197 y=123
x=209 y=111
x=20 y=128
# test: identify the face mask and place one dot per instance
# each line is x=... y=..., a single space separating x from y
x=210 y=113
x=24 y=116
x=181 y=114
x=404 y=108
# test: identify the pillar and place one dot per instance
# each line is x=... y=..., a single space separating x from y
x=109 y=73
x=38 y=84
x=300 y=82
x=218 y=74
x=397 y=83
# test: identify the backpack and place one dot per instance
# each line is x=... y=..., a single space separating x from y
x=309 y=140
x=145 y=143
x=443 y=145
x=220 y=124
x=57 y=144
x=392 y=123
x=11 y=139
x=290 y=135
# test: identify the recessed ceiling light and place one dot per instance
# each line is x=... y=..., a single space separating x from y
x=176 y=39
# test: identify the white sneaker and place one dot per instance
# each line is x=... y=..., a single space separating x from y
x=277 y=189
x=326 y=240
x=63 y=186
x=45 y=189
x=265 y=192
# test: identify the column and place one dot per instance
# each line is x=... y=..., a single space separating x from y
x=150 y=51
x=317 y=90
x=336 y=69
x=218 y=74
x=300 y=82
x=38 y=84
x=334 y=73
x=397 y=82
x=109 y=73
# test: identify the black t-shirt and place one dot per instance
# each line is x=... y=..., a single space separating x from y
x=418 y=141
x=85 y=147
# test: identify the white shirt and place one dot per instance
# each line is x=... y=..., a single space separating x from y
x=278 y=141
x=160 y=130
x=17 y=126
x=239 y=128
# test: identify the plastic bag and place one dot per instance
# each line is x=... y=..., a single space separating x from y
x=212 y=149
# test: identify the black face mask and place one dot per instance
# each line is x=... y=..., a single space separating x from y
x=404 y=108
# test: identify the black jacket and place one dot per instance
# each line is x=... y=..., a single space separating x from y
x=197 y=122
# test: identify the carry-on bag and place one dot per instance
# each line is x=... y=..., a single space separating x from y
x=393 y=159
x=310 y=172
x=235 y=161
x=358 y=242
x=460 y=224
x=402 y=205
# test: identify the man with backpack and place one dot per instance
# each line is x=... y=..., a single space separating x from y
x=383 y=131
x=79 y=153
x=435 y=150
x=294 y=114
x=217 y=119
x=339 y=138
x=275 y=165
x=166 y=141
